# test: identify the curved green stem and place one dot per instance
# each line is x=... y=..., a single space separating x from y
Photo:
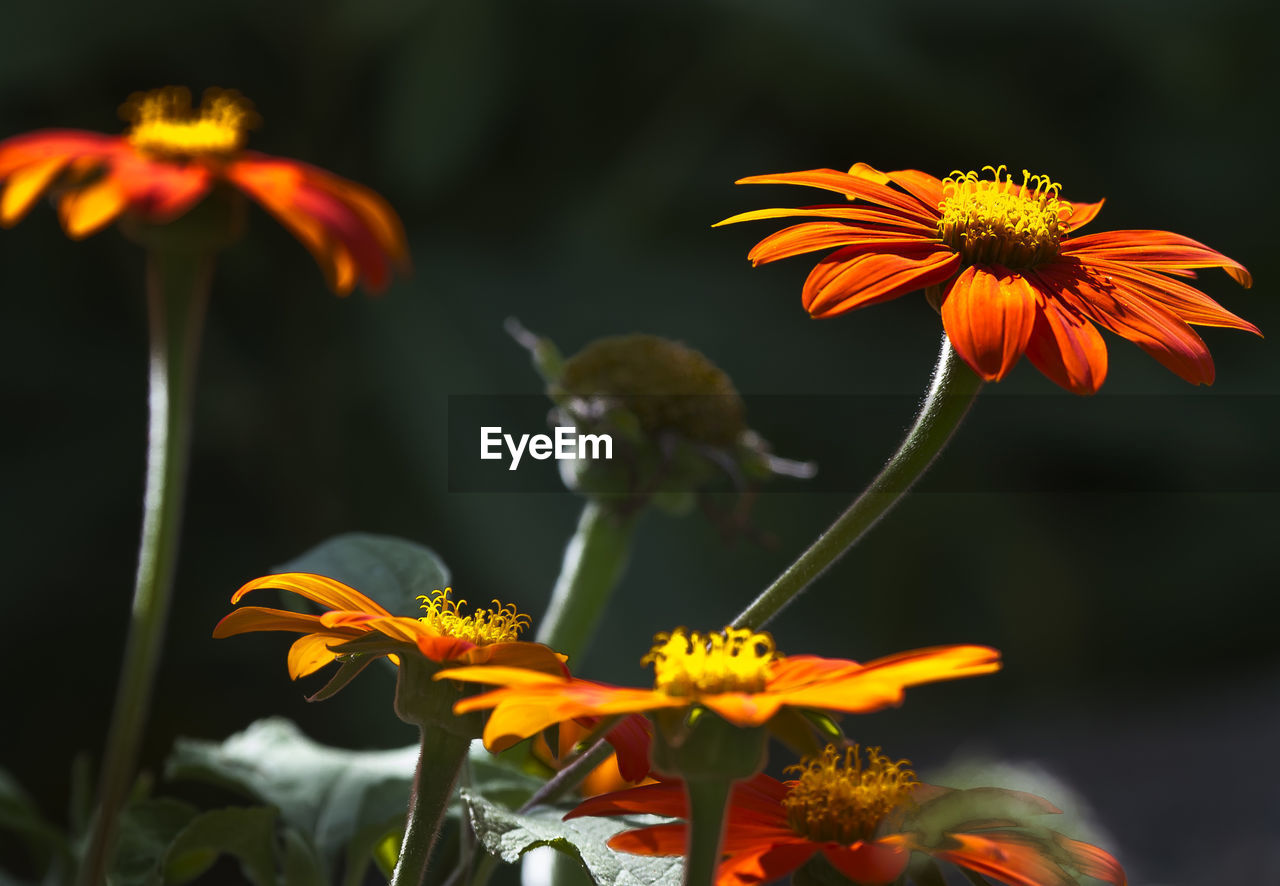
x=177 y=291
x=439 y=761
x=951 y=393
x=593 y=563
x=708 y=802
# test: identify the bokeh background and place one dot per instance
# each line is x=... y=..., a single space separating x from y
x=562 y=161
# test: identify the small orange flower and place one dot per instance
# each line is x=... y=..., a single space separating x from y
x=442 y=634
x=865 y=820
x=173 y=156
x=736 y=673
x=1014 y=277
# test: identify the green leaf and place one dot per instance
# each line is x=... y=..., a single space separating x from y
x=19 y=815
x=147 y=828
x=510 y=834
x=328 y=794
x=392 y=571
x=248 y=833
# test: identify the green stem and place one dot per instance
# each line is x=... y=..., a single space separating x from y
x=708 y=800
x=177 y=292
x=439 y=762
x=951 y=393
x=593 y=563
x=570 y=776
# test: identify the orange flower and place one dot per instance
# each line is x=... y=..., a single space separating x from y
x=173 y=156
x=1014 y=279
x=357 y=624
x=735 y=673
x=864 y=820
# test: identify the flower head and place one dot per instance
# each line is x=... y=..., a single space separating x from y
x=865 y=819
x=173 y=156
x=1004 y=265
x=736 y=673
x=356 y=624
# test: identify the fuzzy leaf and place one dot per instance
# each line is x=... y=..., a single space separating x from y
x=509 y=835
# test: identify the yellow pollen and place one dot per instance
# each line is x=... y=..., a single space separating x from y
x=1000 y=221
x=837 y=799
x=733 y=660
x=165 y=123
x=501 y=624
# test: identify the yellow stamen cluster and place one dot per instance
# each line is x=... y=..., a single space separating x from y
x=501 y=624
x=1000 y=221
x=733 y=660
x=165 y=123
x=838 y=799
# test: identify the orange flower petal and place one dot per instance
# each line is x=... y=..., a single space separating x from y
x=326 y=591
x=1154 y=250
x=921 y=185
x=855 y=277
x=88 y=210
x=767 y=862
x=661 y=839
x=864 y=187
x=36 y=147
x=1082 y=214
x=842 y=211
x=989 y=315
x=812 y=236
x=665 y=798
x=258 y=618
x=1155 y=329
x=310 y=653
x=871 y=863
x=1068 y=349
x=1092 y=861
x=1187 y=302
x=157 y=190
x=525 y=656
x=1006 y=859
x=26 y=184
x=745 y=709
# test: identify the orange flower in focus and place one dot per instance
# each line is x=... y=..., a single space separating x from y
x=173 y=156
x=865 y=820
x=355 y=623
x=736 y=673
x=1014 y=277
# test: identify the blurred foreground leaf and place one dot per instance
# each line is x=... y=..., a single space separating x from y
x=510 y=835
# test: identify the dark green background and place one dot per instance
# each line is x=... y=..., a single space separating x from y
x=562 y=162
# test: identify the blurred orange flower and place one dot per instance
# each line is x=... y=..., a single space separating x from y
x=173 y=156
x=1014 y=279
x=736 y=673
x=355 y=623
x=865 y=820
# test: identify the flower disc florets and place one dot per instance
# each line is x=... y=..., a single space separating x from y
x=733 y=660
x=501 y=624
x=1002 y=222
x=839 y=800
x=165 y=123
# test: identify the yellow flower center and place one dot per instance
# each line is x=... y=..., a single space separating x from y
x=733 y=660
x=1000 y=221
x=837 y=799
x=165 y=123
x=501 y=624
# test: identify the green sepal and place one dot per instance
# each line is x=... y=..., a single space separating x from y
x=805 y=732
x=428 y=703
x=350 y=668
x=700 y=745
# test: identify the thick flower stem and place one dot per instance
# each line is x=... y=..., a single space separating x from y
x=951 y=393
x=593 y=563
x=708 y=802
x=439 y=762
x=177 y=291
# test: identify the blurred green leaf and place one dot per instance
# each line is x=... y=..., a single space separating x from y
x=301 y=866
x=510 y=835
x=392 y=571
x=248 y=833
x=147 y=828
x=960 y=810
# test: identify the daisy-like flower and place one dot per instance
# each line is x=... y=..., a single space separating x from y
x=865 y=819
x=173 y=156
x=1009 y=273
x=355 y=623
x=736 y=673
